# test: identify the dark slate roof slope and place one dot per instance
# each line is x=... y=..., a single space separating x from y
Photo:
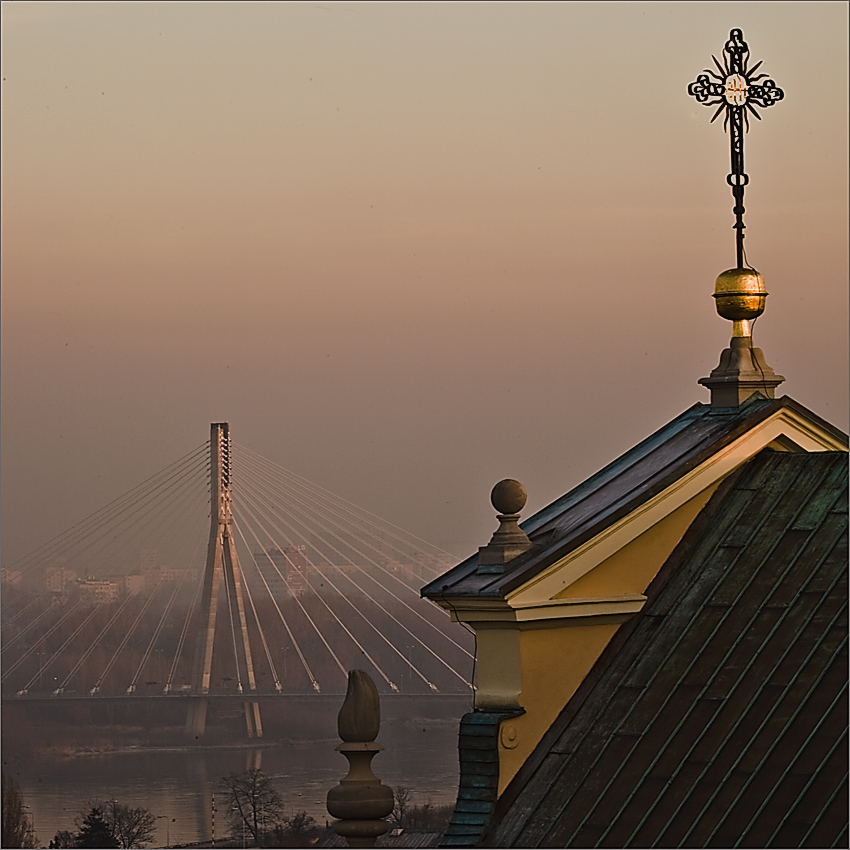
x=718 y=717
x=616 y=490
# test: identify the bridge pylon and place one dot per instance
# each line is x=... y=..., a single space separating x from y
x=222 y=563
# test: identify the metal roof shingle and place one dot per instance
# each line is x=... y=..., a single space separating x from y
x=720 y=715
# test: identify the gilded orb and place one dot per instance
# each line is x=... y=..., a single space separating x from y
x=508 y=496
x=740 y=294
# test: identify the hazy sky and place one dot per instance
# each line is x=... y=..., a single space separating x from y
x=405 y=249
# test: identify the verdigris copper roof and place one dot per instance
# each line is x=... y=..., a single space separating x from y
x=626 y=483
x=717 y=717
x=478 y=747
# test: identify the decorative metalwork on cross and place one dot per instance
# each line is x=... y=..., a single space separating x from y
x=738 y=90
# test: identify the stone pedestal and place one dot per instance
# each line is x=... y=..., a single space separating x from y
x=742 y=371
x=360 y=801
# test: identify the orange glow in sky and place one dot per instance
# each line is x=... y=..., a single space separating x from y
x=405 y=249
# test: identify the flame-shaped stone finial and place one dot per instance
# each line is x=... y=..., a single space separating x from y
x=359 y=718
x=360 y=801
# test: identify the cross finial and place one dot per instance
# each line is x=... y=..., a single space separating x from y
x=738 y=90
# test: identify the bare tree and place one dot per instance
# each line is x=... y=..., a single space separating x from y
x=108 y=824
x=17 y=828
x=255 y=806
x=409 y=815
x=62 y=840
x=300 y=830
x=131 y=827
x=403 y=801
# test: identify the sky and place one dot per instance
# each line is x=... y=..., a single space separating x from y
x=405 y=249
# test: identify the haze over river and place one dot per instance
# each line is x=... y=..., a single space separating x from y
x=177 y=784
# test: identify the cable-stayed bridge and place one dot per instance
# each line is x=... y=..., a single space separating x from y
x=226 y=576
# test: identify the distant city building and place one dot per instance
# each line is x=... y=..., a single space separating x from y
x=284 y=570
x=405 y=571
x=153 y=575
x=132 y=584
x=98 y=590
x=11 y=578
x=58 y=579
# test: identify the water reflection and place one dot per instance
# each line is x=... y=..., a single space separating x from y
x=178 y=785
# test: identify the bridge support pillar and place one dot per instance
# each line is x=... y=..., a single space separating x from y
x=222 y=564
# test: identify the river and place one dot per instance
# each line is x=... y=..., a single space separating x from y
x=178 y=784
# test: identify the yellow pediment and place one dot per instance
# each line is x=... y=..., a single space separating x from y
x=630 y=569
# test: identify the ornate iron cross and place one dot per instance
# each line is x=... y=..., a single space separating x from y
x=736 y=89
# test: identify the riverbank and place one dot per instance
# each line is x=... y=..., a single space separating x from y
x=179 y=782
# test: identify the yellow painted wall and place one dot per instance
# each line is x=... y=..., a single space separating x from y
x=556 y=656
x=632 y=568
x=554 y=663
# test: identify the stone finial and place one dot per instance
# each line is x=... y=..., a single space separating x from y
x=508 y=497
x=360 y=801
x=359 y=719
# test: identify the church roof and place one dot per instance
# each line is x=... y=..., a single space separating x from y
x=717 y=716
x=629 y=481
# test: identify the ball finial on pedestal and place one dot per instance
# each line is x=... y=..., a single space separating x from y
x=508 y=496
x=739 y=296
x=509 y=541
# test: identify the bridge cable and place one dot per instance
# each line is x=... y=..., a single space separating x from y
x=11 y=669
x=368 y=622
x=295 y=597
x=111 y=533
x=125 y=639
x=259 y=624
x=115 y=508
x=8 y=644
x=344 y=502
x=159 y=504
x=382 y=568
x=62 y=648
x=345 y=628
x=387 y=590
x=232 y=627
x=81 y=660
x=283 y=620
x=152 y=642
x=306 y=502
x=184 y=632
x=175 y=517
x=10 y=620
